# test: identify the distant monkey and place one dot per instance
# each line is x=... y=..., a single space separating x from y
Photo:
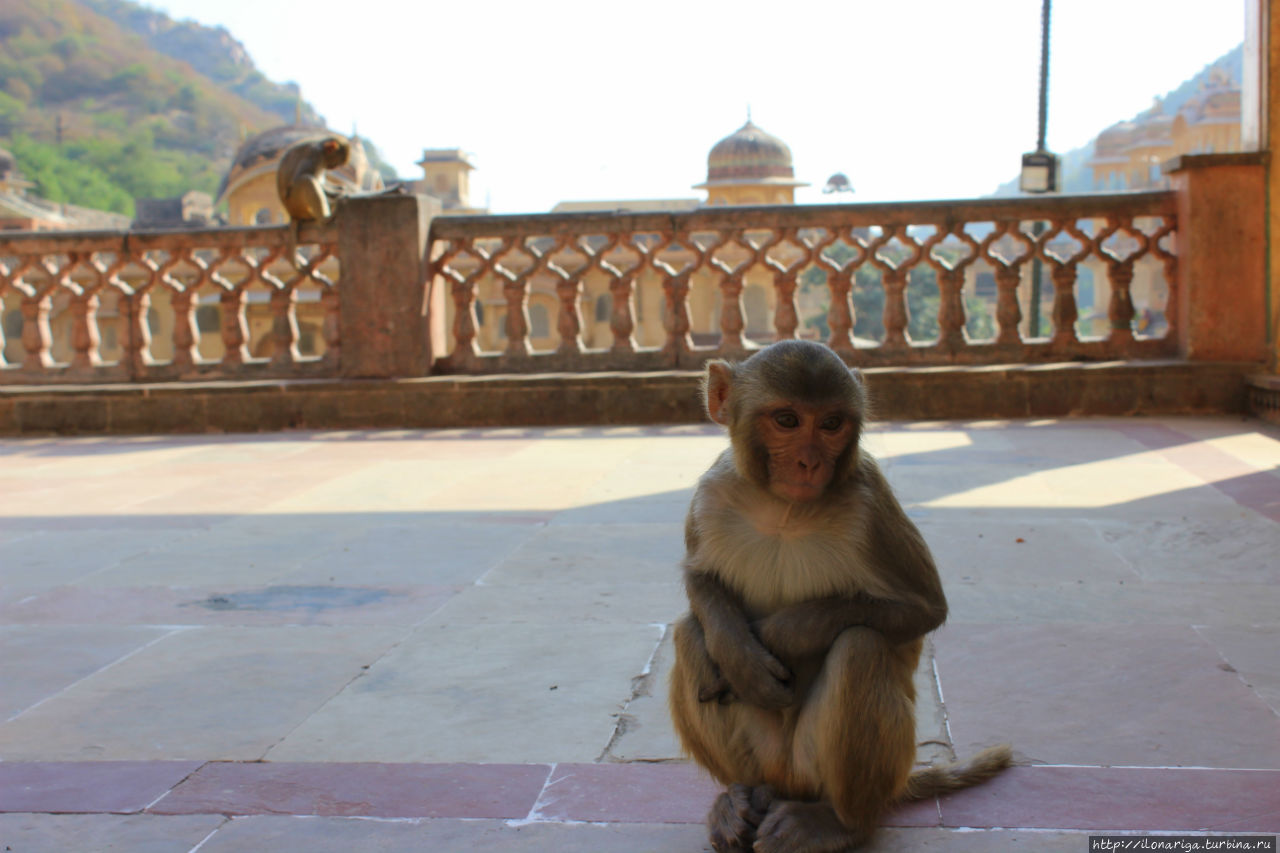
x=810 y=592
x=300 y=177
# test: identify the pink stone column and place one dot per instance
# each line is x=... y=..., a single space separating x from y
x=387 y=308
x=1221 y=253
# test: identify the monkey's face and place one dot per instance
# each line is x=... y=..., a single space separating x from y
x=805 y=446
x=335 y=153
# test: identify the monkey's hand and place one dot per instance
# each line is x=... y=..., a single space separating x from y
x=752 y=675
x=808 y=628
x=744 y=669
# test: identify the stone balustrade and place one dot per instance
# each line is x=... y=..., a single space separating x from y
x=725 y=280
x=389 y=288
x=154 y=306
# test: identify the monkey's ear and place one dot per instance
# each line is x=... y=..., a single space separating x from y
x=716 y=389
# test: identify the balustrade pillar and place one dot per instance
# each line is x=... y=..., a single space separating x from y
x=786 y=318
x=840 y=313
x=1064 y=304
x=622 y=322
x=185 y=334
x=950 y=310
x=732 y=342
x=36 y=337
x=1008 y=314
x=1120 y=310
x=895 y=309
x=84 y=332
x=569 y=321
x=675 y=292
x=391 y=316
x=284 y=327
x=1221 y=303
x=517 y=295
x=137 y=342
x=235 y=331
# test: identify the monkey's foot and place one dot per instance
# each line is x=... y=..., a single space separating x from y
x=793 y=827
x=735 y=815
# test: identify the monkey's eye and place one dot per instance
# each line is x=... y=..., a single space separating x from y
x=831 y=423
x=786 y=420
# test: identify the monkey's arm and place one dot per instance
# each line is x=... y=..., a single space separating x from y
x=810 y=627
x=897 y=553
x=747 y=668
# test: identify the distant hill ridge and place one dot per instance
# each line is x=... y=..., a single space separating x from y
x=213 y=52
x=105 y=101
x=1076 y=174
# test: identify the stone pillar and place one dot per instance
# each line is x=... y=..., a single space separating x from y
x=1222 y=250
x=1262 y=23
x=385 y=303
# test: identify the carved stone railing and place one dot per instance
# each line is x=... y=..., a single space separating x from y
x=390 y=288
x=211 y=304
x=574 y=291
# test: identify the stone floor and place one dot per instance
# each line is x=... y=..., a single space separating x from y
x=457 y=640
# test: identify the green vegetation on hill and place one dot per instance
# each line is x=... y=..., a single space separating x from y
x=105 y=101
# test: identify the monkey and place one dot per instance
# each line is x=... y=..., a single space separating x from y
x=300 y=177
x=810 y=592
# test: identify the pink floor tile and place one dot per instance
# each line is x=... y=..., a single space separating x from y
x=1139 y=799
x=87 y=786
x=657 y=793
x=1102 y=695
x=498 y=791
x=628 y=793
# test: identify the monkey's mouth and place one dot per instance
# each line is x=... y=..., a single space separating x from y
x=799 y=491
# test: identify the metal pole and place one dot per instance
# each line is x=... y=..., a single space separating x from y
x=1033 y=310
x=1044 y=74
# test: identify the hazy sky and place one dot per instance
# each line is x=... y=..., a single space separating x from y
x=561 y=100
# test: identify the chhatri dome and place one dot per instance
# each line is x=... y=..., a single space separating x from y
x=249 y=186
x=750 y=166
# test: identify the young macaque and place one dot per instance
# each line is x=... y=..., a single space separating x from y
x=300 y=177
x=810 y=592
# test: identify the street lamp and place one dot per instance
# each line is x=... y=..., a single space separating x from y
x=1039 y=170
x=1040 y=167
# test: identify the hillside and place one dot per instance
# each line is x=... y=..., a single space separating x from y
x=98 y=109
x=212 y=52
x=1076 y=175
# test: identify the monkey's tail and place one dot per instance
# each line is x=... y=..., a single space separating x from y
x=929 y=781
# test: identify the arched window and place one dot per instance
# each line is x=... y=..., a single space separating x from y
x=539 y=321
x=208 y=318
x=13 y=324
x=755 y=307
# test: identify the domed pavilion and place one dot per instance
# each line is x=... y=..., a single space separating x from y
x=750 y=166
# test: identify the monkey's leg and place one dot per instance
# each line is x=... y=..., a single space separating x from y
x=703 y=726
x=722 y=738
x=856 y=737
x=307 y=200
x=732 y=821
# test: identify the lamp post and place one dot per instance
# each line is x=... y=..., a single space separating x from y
x=1039 y=169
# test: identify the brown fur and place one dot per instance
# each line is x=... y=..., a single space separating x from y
x=809 y=594
x=300 y=177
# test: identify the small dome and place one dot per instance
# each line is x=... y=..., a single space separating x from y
x=749 y=155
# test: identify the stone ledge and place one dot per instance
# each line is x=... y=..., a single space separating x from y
x=583 y=399
x=1264 y=397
